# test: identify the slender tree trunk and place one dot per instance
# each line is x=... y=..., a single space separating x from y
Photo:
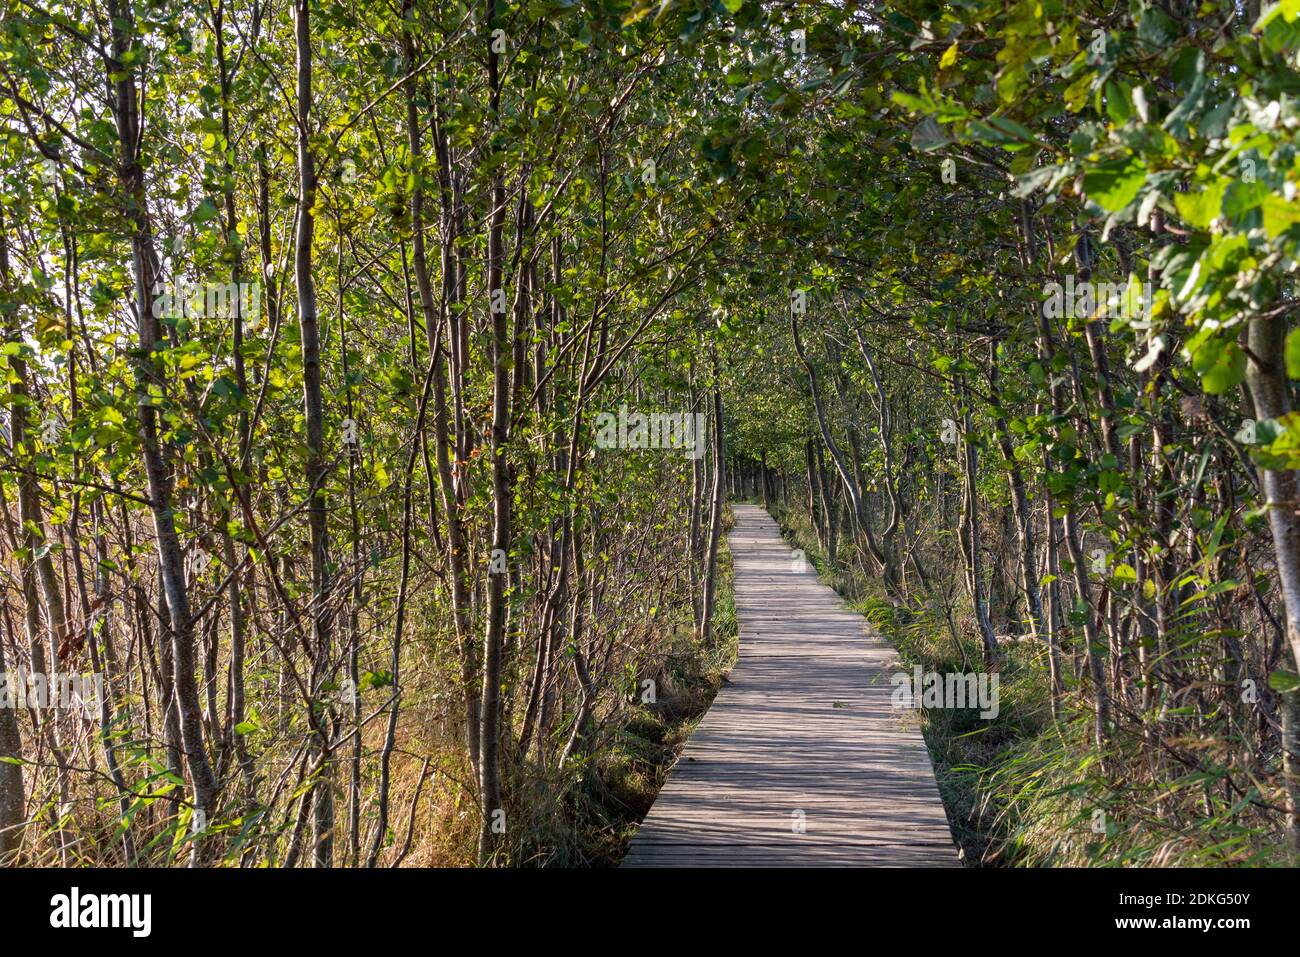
x=1038 y=625
x=1289 y=705
x=316 y=468
x=830 y=509
x=451 y=443
x=815 y=515
x=974 y=555
x=235 y=696
x=149 y=379
x=1266 y=377
x=889 y=478
x=715 y=522
x=491 y=811
x=11 y=774
x=583 y=598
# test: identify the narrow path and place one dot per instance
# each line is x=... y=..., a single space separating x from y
x=801 y=760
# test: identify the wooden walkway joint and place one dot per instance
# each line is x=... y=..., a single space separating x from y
x=801 y=760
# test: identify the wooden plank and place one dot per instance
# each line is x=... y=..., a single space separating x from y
x=806 y=855
x=804 y=759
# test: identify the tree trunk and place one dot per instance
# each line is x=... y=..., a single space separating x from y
x=715 y=522
x=148 y=379
x=491 y=811
x=316 y=469
x=974 y=553
x=11 y=774
x=1266 y=377
x=1039 y=627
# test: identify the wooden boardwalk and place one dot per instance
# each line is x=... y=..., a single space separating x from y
x=801 y=761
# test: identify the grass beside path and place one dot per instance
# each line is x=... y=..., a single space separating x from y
x=649 y=738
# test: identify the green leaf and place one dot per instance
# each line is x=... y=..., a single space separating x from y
x=1278 y=442
x=1119 y=102
x=1003 y=132
x=1201 y=209
x=1287 y=9
x=1279 y=215
x=1114 y=184
x=1293 y=353
x=1284 y=681
x=1221 y=365
x=1124 y=573
x=1240 y=198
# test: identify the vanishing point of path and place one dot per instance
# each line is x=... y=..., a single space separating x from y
x=801 y=760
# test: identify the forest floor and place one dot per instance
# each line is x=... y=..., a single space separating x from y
x=592 y=810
